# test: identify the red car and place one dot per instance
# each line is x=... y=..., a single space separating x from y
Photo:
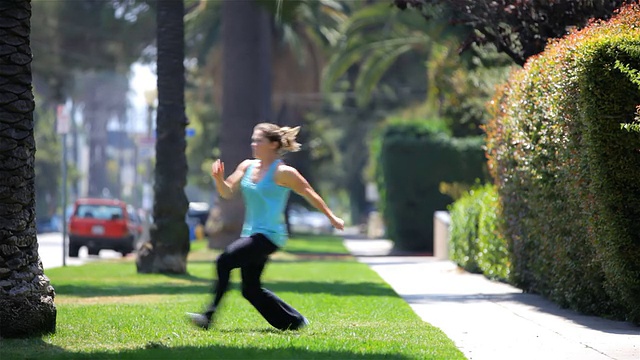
x=103 y=224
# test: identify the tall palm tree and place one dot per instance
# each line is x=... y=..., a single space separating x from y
x=169 y=245
x=26 y=296
x=304 y=30
x=302 y=41
x=246 y=95
x=103 y=96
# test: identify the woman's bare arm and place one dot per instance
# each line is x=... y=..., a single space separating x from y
x=290 y=177
x=228 y=187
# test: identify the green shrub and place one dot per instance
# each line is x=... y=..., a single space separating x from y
x=476 y=242
x=493 y=252
x=463 y=230
x=567 y=175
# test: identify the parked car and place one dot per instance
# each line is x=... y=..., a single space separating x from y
x=103 y=224
x=303 y=220
x=198 y=212
x=196 y=219
x=49 y=224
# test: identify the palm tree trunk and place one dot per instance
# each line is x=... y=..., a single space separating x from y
x=169 y=245
x=97 y=120
x=246 y=96
x=26 y=296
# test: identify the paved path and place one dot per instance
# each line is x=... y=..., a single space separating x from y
x=50 y=251
x=495 y=321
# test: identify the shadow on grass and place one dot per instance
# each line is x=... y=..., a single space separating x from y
x=30 y=348
x=306 y=256
x=299 y=257
x=38 y=349
x=189 y=277
x=223 y=352
x=312 y=287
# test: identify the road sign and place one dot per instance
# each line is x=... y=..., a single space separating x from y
x=63 y=124
x=146 y=147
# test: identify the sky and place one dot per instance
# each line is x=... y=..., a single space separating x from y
x=142 y=79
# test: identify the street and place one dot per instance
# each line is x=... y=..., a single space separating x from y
x=50 y=250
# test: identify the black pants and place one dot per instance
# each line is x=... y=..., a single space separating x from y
x=251 y=254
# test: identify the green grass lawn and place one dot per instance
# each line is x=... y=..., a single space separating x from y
x=108 y=311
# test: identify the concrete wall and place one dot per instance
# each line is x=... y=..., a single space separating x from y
x=441 y=236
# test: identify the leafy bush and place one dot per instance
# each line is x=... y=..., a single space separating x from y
x=476 y=241
x=567 y=175
x=493 y=253
x=463 y=242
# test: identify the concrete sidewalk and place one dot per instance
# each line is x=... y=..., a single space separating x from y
x=495 y=321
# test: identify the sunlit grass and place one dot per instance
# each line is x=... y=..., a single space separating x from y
x=108 y=311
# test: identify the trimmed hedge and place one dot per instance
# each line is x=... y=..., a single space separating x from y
x=413 y=160
x=567 y=175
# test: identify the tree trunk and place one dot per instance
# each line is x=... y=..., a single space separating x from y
x=26 y=296
x=103 y=95
x=169 y=245
x=357 y=159
x=246 y=97
x=97 y=120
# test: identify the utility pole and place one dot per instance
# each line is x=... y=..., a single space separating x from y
x=62 y=129
x=151 y=97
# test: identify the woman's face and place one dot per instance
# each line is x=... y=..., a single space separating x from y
x=260 y=145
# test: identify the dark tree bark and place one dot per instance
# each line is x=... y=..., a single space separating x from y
x=26 y=296
x=169 y=245
x=246 y=97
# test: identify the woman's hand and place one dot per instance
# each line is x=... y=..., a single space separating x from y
x=228 y=187
x=337 y=222
x=217 y=171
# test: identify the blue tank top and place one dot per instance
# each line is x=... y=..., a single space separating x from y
x=264 y=205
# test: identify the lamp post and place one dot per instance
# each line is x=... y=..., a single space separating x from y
x=62 y=128
x=151 y=98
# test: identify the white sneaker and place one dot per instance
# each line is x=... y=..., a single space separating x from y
x=199 y=320
x=304 y=324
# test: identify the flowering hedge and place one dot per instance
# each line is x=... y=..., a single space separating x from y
x=568 y=177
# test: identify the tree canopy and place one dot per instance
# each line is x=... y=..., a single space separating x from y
x=519 y=28
x=87 y=35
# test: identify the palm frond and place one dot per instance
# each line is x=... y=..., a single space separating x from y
x=375 y=15
x=339 y=63
x=374 y=67
x=360 y=47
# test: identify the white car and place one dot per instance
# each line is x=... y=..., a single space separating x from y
x=303 y=220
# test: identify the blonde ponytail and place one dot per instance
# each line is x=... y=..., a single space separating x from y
x=288 y=141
